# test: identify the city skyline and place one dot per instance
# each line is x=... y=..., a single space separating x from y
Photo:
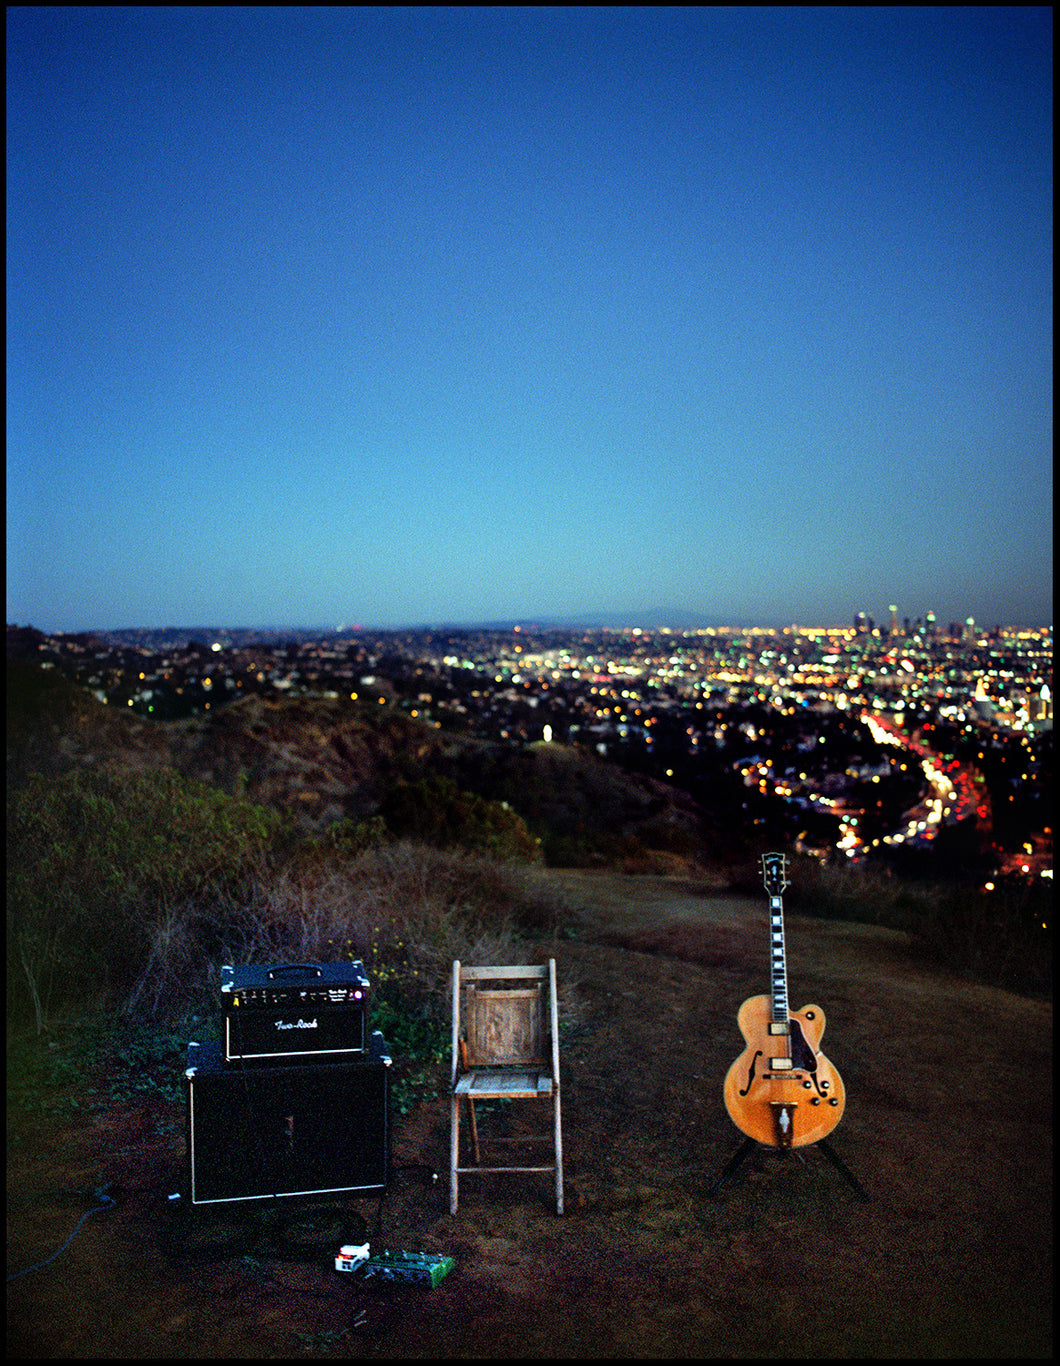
x=402 y=316
x=647 y=622
x=889 y=620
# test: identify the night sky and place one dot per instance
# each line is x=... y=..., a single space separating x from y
x=321 y=316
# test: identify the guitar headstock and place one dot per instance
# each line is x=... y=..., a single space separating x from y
x=775 y=873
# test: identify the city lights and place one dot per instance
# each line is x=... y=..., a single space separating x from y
x=854 y=741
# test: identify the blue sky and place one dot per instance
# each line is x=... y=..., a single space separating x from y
x=406 y=316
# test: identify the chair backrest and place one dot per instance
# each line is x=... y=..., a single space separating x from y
x=506 y=1016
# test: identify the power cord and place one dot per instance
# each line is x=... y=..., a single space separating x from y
x=101 y=1194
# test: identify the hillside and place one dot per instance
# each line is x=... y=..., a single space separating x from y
x=948 y=1126
x=948 y=1121
x=324 y=760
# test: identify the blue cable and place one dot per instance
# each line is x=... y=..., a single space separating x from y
x=98 y=1210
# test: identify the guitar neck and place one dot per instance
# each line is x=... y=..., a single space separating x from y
x=778 y=964
x=775 y=878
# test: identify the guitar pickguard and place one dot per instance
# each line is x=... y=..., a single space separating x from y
x=803 y=1058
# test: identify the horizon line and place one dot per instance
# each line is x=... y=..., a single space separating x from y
x=632 y=622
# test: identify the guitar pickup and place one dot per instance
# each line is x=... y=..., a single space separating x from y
x=778 y=1027
x=780 y=1064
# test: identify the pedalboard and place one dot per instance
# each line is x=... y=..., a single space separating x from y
x=426 y=1269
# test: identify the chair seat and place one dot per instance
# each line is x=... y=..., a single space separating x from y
x=513 y=1083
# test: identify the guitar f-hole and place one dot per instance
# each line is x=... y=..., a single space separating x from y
x=751 y=1073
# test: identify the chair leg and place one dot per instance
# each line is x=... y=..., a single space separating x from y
x=454 y=1151
x=474 y=1132
x=559 y=1158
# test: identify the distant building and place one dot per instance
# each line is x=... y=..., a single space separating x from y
x=1040 y=708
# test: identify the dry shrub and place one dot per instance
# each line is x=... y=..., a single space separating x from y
x=404 y=910
x=1000 y=936
x=405 y=902
x=839 y=892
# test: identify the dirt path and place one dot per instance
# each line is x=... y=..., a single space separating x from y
x=948 y=1125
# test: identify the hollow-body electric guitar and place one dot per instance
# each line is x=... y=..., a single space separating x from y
x=781 y=1090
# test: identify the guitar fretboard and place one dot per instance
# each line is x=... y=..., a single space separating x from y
x=778 y=966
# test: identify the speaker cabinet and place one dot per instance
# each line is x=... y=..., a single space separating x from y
x=256 y=1133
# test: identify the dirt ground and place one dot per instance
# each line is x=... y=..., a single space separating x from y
x=948 y=1126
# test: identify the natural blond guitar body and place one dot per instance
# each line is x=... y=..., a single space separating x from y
x=774 y=1103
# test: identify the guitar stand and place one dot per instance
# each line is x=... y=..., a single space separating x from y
x=829 y=1152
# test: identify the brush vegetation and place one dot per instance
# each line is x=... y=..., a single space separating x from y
x=127 y=890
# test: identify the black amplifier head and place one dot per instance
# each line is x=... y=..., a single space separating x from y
x=294 y=985
x=294 y=1011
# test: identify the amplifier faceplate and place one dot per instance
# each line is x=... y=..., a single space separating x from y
x=292 y=983
x=272 y=1035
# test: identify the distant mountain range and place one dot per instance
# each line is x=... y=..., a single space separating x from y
x=651 y=619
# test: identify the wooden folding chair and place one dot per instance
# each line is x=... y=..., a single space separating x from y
x=505 y=1047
